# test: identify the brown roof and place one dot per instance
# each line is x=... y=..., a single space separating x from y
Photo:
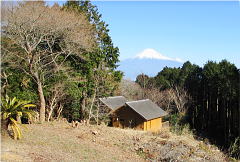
x=147 y=109
x=114 y=102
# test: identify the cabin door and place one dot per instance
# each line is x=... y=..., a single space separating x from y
x=116 y=122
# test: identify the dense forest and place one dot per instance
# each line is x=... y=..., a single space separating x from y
x=207 y=97
x=59 y=57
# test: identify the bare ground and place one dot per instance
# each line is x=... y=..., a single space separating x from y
x=58 y=141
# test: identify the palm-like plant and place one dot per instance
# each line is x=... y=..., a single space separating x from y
x=11 y=109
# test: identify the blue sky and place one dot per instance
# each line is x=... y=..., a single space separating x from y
x=194 y=31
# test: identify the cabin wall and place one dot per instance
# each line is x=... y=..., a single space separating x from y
x=126 y=117
x=153 y=125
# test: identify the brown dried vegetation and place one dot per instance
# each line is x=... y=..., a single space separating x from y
x=59 y=141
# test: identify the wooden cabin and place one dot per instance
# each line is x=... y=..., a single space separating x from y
x=113 y=103
x=140 y=115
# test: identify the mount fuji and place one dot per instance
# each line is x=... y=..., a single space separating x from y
x=149 y=62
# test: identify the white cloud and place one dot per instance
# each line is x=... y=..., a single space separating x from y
x=150 y=53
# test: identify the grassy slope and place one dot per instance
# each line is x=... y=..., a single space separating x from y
x=58 y=141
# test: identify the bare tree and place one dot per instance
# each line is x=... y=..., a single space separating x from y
x=104 y=84
x=57 y=94
x=5 y=6
x=181 y=98
x=131 y=90
x=47 y=36
x=172 y=100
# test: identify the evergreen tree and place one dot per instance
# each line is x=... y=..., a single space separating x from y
x=215 y=102
x=96 y=73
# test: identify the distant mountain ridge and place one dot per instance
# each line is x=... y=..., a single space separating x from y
x=149 y=62
x=134 y=66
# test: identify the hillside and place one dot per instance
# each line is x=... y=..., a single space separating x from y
x=58 y=141
x=134 y=66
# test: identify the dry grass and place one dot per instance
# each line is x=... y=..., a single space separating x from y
x=58 y=141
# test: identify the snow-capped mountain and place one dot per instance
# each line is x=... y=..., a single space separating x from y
x=153 y=54
x=149 y=62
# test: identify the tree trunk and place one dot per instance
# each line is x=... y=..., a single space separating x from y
x=4 y=127
x=97 y=113
x=238 y=103
x=59 y=111
x=19 y=119
x=50 y=114
x=91 y=107
x=83 y=106
x=52 y=105
x=40 y=95
x=42 y=102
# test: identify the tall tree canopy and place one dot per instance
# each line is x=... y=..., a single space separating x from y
x=214 y=106
x=98 y=73
x=46 y=36
x=64 y=52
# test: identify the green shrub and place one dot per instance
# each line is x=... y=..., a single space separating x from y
x=178 y=124
x=234 y=149
x=11 y=110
